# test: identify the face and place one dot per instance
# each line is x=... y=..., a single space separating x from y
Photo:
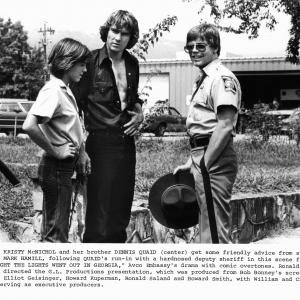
x=200 y=52
x=117 y=39
x=76 y=72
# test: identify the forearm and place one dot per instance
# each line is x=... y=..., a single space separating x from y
x=186 y=166
x=83 y=165
x=39 y=138
x=138 y=108
x=217 y=143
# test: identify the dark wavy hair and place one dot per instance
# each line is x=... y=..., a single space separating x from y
x=65 y=54
x=121 y=19
x=207 y=32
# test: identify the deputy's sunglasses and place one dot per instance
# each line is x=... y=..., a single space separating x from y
x=199 y=47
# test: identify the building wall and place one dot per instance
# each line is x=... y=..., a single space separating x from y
x=181 y=77
x=258 y=76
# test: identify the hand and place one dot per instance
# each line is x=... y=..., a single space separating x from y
x=131 y=128
x=83 y=165
x=185 y=167
x=65 y=151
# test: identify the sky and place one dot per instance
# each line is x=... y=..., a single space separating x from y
x=87 y=15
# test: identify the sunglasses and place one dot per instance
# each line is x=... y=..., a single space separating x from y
x=199 y=47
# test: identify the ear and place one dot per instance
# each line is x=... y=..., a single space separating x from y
x=215 y=51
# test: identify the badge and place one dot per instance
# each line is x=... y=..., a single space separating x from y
x=229 y=84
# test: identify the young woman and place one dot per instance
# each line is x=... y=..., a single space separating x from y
x=53 y=123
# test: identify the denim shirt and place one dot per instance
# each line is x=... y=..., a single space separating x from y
x=97 y=93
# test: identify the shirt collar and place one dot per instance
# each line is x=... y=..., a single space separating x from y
x=57 y=81
x=103 y=54
x=211 y=67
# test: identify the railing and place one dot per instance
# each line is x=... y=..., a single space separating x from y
x=8 y=125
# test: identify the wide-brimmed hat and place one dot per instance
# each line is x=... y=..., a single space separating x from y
x=173 y=202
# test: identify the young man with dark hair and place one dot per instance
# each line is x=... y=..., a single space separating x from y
x=211 y=125
x=108 y=96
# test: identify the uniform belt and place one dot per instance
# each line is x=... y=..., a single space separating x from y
x=199 y=141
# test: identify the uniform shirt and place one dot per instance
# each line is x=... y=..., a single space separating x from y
x=58 y=112
x=97 y=93
x=219 y=87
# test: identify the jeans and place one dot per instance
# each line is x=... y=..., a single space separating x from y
x=110 y=187
x=56 y=182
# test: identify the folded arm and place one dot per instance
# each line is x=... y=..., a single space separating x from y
x=32 y=128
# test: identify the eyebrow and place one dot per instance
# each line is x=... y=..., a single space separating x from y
x=120 y=29
x=197 y=43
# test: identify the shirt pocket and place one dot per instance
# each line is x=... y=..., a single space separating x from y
x=103 y=91
x=102 y=87
x=201 y=96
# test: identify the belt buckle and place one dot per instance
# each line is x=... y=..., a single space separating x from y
x=198 y=141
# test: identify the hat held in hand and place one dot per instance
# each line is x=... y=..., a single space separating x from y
x=173 y=202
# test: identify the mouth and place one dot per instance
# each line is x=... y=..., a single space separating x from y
x=197 y=57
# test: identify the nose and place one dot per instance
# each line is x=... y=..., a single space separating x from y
x=194 y=48
x=84 y=69
x=118 y=36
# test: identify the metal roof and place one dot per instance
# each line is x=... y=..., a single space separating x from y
x=240 y=64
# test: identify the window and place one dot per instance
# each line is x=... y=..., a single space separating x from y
x=12 y=107
x=26 y=105
x=9 y=107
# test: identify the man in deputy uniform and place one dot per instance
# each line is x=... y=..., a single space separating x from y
x=211 y=125
x=108 y=96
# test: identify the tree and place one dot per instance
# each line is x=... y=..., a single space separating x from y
x=251 y=14
x=21 y=66
x=152 y=36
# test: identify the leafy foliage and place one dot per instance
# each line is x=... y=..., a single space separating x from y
x=21 y=67
x=251 y=14
x=152 y=36
x=158 y=109
x=258 y=121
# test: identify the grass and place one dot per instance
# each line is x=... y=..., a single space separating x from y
x=267 y=167
x=18 y=150
x=263 y=167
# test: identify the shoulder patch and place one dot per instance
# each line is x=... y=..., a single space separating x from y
x=229 y=84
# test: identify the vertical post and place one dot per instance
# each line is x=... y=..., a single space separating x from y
x=15 y=127
x=44 y=41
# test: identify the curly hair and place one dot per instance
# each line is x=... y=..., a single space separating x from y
x=207 y=32
x=121 y=19
x=65 y=54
